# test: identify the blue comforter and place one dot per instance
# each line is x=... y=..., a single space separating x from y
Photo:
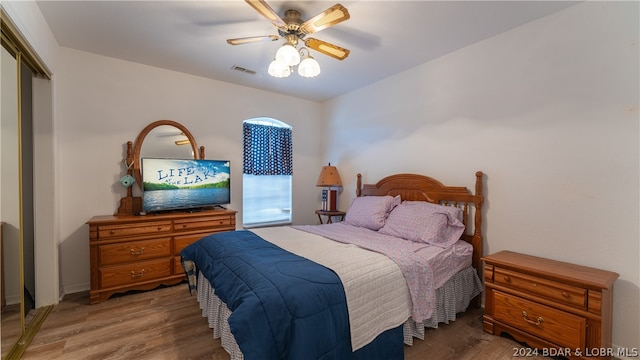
x=283 y=306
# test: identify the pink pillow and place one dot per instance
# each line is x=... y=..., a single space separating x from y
x=424 y=222
x=370 y=211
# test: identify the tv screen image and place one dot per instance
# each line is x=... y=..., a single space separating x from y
x=181 y=184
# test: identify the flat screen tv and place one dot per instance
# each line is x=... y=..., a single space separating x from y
x=184 y=184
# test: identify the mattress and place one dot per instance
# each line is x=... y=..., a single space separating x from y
x=381 y=305
x=452 y=298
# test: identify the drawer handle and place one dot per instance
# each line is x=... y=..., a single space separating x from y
x=138 y=275
x=135 y=253
x=538 y=321
x=507 y=279
x=565 y=294
x=112 y=232
x=184 y=226
x=534 y=284
x=159 y=228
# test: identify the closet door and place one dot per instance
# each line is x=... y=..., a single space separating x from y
x=21 y=68
x=13 y=322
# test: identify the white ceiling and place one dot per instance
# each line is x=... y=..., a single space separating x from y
x=385 y=37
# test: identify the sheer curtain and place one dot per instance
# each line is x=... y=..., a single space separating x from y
x=267 y=174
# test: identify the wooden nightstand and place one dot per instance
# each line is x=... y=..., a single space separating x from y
x=549 y=304
x=329 y=214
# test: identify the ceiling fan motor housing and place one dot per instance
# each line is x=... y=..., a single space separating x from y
x=293 y=20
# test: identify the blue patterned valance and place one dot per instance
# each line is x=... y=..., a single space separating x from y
x=268 y=150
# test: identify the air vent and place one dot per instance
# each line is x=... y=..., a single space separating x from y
x=241 y=69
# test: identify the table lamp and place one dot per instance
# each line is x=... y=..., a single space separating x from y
x=329 y=177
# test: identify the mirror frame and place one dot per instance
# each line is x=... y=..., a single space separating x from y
x=197 y=153
x=130 y=205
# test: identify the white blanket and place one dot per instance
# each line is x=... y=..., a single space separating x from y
x=377 y=295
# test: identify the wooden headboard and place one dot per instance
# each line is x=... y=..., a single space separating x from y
x=415 y=187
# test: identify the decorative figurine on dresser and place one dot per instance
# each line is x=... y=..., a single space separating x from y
x=557 y=308
x=139 y=247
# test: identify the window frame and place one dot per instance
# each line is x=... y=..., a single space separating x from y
x=255 y=221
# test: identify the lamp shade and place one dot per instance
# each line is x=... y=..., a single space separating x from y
x=309 y=67
x=329 y=176
x=279 y=69
x=287 y=54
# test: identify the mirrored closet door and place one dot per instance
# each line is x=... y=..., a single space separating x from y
x=17 y=239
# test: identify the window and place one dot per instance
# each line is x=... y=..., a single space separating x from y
x=267 y=172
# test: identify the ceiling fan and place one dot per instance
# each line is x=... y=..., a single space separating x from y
x=293 y=30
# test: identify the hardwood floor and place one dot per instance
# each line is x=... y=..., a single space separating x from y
x=166 y=323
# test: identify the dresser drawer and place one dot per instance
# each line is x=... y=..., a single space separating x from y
x=131 y=251
x=179 y=243
x=208 y=222
x=182 y=241
x=558 y=292
x=122 y=275
x=177 y=266
x=112 y=231
x=559 y=327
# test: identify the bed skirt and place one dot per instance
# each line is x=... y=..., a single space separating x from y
x=453 y=297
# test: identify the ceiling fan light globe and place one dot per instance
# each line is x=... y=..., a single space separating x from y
x=278 y=69
x=309 y=67
x=288 y=54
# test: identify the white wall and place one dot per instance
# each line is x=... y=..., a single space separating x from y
x=549 y=111
x=104 y=102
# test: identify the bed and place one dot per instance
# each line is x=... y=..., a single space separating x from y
x=406 y=257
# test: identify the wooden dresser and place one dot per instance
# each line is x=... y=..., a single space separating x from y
x=142 y=252
x=555 y=307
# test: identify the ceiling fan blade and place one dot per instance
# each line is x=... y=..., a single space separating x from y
x=327 y=48
x=244 y=40
x=263 y=8
x=330 y=17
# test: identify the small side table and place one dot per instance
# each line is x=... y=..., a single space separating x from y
x=548 y=303
x=329 y=214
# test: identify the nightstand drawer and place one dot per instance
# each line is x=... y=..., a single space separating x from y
x=558 y=292
x=134 y=251
x=559 y=327
x=112 y=231
x=122 y=275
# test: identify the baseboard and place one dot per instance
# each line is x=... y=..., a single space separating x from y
x=72 y=289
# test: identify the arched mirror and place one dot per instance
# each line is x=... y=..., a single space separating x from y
x=166 y=141
x=160 y=139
